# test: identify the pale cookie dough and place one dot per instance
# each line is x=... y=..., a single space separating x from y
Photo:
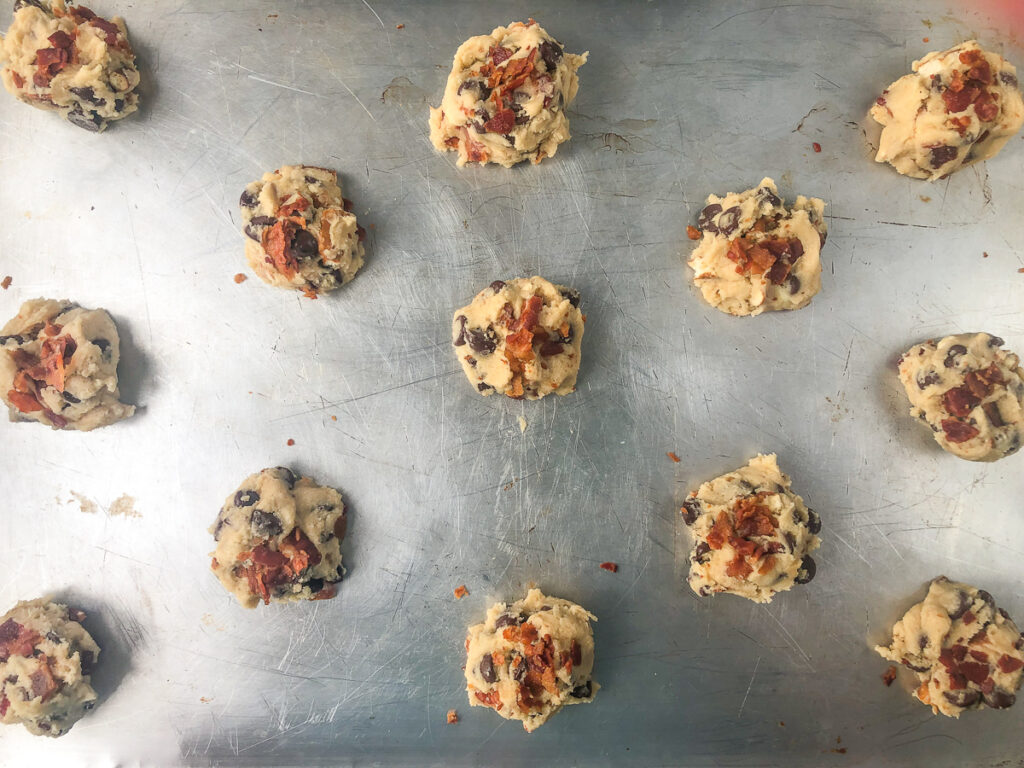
x=58 y=366
x=521 y=338
x=530 y=659
x=756 y=254
x=966 y=652
x=279 y=538
x=46 y=658
x=969 y=391
x=960 y=106
x=506 y=97
x=300 y=232
x=752 y=535
x=68 y=59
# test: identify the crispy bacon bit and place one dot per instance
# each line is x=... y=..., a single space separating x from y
x=80 y=13
x=960 y=401
x=1008 y=664
x=23 y=401
x=692 y=232
x=16 y=640
x=816 y=146
x=301 y=551
x=979 y=655
x=492 y=699
x=290 y=442
x=752 y=518
x=520 y=345
x=767 y=563
x=240 y=278
x=721 y=531
x=610 y=566
x=452 y=142
x=43 y=683
x=452 y=716
x=277 y=242
x=461 y=591
x=981 y=383
x=109 y=29
x=19 y=82
x=672 y=455
x=4 y=704
x=960 y=124
x=270 y=568
x=774 y=256
x=452 y=712
x=958 y=431
x=504 y=120
x=475 y=151
x=738 y=567
x=888 y=676
x=969 y=618
x=530 y=314
x=498 y=54
x=295 y=206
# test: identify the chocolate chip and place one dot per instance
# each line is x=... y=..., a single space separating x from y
x=248 y=200
x=246 y=498
x=103 y=344
x=461 y=338
x=90 y=122
x=315 y=585
x=287 y=476
x=769 y=197
x=1007 y=77
x=53 y=637
x=68 y=397
x=252 y=228
x=790 y=540
x=961 y=609
x=118 y=105
x=793 y=283
x=341 y=525
x=964 y=698
x=999 y=699
x=572 y=295
x=700 y=551
x=19 y=4
x=942 y=155
x=992 y=412
x=954 y=353
x=691 y=510
x=987 y=597
x=16 y=339
x=487 y=669
x=551 y=53
x=807 y=570
x=521 y=117
x=480 y=341
x=505 y=620
x=9 y=630
x=88 y=658
x=813 y=521
x=304 y=244
x=497 y=285
x=265 y=524
x=729 y=220
x=481 y=387
x=706 y=219
x=929 y=378
x=551 y=347
x=583 y=691
x=86 y=93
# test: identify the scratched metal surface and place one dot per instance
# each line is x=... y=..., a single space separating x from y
x=678 y=100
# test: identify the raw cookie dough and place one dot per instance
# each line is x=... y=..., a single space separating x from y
x=68 y=59
x=966 y=652
x=969 y=391
x=46 y=658
x=756 y=254
x=521 y=338
x=960 y=106
x=752 y=535
x=279 y=538
x=300 y=233
x=506 y=97
x=530 y=659
x=58 y=366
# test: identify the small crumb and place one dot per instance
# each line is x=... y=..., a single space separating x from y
x=271 y=15
x=453 y=717
x=672 y=455
x=1021 y=270
x=290 y=441
x=889 y=675
x=925 y=198
x=817 y=146
x=402 y=26
x=613 y=567
x=926 y=39
x=334 y=418
x=782 y=724
x=692 y=232
x=840 y=751
x=6 y=283
x=204 y=700
x=461 y=591
x=240 y=278
x=522 y=424
x=984 y=254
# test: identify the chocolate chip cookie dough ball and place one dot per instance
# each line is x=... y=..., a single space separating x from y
x=279 y=538
x=756 y=254
x=58 y=366
x=969 y=391
x=46 y=658
x=299 y=229
x=530 y=659
x=752 y=536
x=521 y=338
x=965 y=651
x=68 y=59
x=506 y=97
x=958 y=107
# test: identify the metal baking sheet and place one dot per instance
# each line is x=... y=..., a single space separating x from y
x=677 y=100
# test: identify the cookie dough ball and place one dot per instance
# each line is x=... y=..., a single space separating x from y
x=752 y=536
x=969 y=391
x=756 y=254
x=530 y=659
x=46 y=658
x=301 y=233
x=506 y=97
x=68 y=59
x=960 y=106
x=966 y=652
x=58 y=366
x=521 y=338
x=279 y=538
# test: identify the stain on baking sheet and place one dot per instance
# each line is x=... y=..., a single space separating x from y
x=122 y=506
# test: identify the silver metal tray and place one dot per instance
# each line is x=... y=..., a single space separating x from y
x=677 y=100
